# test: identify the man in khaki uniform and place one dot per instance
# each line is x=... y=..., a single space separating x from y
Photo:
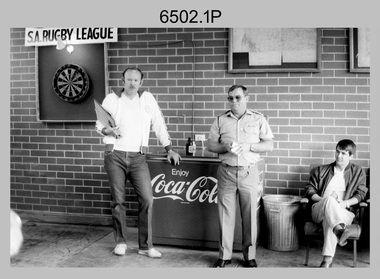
x=238 y=136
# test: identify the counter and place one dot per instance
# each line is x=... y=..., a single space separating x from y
x=185 y=201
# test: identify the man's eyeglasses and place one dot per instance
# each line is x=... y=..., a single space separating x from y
x=238 y=98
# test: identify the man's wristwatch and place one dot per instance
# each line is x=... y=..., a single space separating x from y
x=103 y=131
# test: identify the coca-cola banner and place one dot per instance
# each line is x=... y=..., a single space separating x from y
x=187 y=183
x=185 y=202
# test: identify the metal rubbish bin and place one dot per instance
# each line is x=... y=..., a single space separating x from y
x=280 y=214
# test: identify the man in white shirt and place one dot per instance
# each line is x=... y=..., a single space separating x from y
x=333 y=189
x=134 y=112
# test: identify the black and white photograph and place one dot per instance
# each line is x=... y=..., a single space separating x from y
x=190 y=141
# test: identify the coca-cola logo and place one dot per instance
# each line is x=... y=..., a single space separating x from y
x=202 y=189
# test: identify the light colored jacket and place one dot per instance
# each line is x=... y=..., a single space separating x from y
x=152 y=118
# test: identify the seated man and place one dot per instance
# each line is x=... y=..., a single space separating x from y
x=332 y=190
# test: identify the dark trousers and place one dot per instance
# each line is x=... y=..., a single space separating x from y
x=121 y=166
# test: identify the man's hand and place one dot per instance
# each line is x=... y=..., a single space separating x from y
x=114 y=132
x=239 y=148
x=173 y=157
x=344 y=204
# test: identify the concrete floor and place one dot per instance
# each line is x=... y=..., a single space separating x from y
x=78 y=246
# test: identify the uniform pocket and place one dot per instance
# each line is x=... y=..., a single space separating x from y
x=251 y=128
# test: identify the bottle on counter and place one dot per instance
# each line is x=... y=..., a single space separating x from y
x=190 y=147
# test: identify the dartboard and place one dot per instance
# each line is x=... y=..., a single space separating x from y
x=71 y=83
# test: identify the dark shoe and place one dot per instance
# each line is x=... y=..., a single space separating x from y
x=339 y=229
x=350 y=231
x=221 y=263
x=250 y=263
x=326 y=264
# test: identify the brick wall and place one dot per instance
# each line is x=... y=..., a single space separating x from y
x=57 y=169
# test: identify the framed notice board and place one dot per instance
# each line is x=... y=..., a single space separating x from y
x=274 y=50
x=359 y=50
x=68 y=83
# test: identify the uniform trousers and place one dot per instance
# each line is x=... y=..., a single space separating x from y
x=329 y=213
x=121 y=166
x=237 y=185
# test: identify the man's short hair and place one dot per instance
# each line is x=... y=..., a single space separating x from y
x=236 y=86
x=348 y=145
x=133 y=69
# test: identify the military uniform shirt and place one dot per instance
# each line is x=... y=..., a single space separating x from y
x=250 y=128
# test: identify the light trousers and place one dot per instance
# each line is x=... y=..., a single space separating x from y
x=237 y=185
x=329 y=213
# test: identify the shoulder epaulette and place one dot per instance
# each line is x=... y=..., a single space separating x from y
x=257 y=112
x=218 y=117
x=224 y=113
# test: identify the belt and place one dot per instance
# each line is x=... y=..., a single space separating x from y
x=238 y=167
x=110 y=147
x=128 y=152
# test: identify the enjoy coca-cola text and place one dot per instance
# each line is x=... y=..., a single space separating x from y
x=202 y=189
